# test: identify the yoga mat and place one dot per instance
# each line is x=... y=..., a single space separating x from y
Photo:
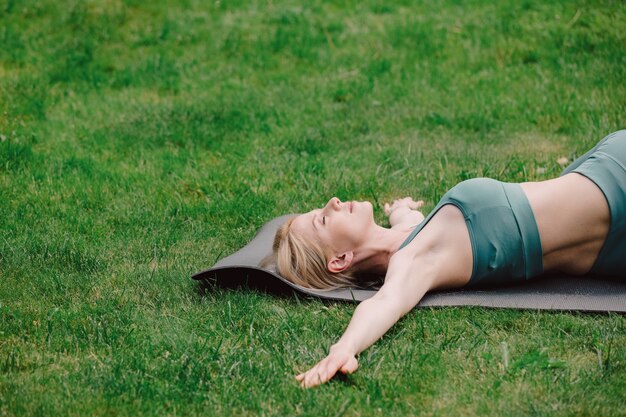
x=555 y=292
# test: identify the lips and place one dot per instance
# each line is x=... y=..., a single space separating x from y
x=350 y=206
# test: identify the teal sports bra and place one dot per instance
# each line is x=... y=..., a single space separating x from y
x=506 y=246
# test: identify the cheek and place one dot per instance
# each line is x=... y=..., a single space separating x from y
x=347 y=228
x=367 y=213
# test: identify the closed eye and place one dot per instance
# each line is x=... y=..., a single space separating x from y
x=324 y=220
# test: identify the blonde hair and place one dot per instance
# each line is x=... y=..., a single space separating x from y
x=304 y=262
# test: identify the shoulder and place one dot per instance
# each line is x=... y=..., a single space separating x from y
x=441 y=251
x=408 y=278
x=414 y=260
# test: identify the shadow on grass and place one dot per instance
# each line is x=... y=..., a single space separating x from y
x=256 y=283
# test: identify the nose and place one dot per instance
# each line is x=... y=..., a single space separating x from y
x=333 y=204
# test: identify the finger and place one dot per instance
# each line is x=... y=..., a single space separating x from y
x=305 y=381
x=320 y=379
x=328 y=372
x=387 y=211
x=320 y=374
x=304 y=375
x=312 y=380
x=350 y=366
x=311 y=376
x=347 y=369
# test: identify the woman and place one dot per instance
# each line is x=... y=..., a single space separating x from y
x=481 y=232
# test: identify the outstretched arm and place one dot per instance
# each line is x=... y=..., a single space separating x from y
x=372 y=318
x=404 y=211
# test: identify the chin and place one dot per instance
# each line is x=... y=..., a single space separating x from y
x=370 y=208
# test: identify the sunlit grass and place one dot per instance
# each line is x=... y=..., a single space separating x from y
x=140 y=142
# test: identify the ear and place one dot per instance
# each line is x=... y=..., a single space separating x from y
x=340 y=263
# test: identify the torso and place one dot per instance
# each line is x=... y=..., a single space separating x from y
x=572 y=217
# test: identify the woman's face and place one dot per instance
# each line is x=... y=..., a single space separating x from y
x=339 y=226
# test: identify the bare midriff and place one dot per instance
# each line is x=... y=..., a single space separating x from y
x=573 y=219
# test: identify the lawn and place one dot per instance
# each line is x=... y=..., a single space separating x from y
x=142 y=141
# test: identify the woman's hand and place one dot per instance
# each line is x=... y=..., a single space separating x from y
x=403 y=202
x=339 y=359
x=403 y=213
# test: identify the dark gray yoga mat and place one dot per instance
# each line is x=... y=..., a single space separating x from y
x=544 y=293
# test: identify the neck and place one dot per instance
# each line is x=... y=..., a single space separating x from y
x=381 y=245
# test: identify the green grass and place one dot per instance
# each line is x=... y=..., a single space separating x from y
x=140 y=141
